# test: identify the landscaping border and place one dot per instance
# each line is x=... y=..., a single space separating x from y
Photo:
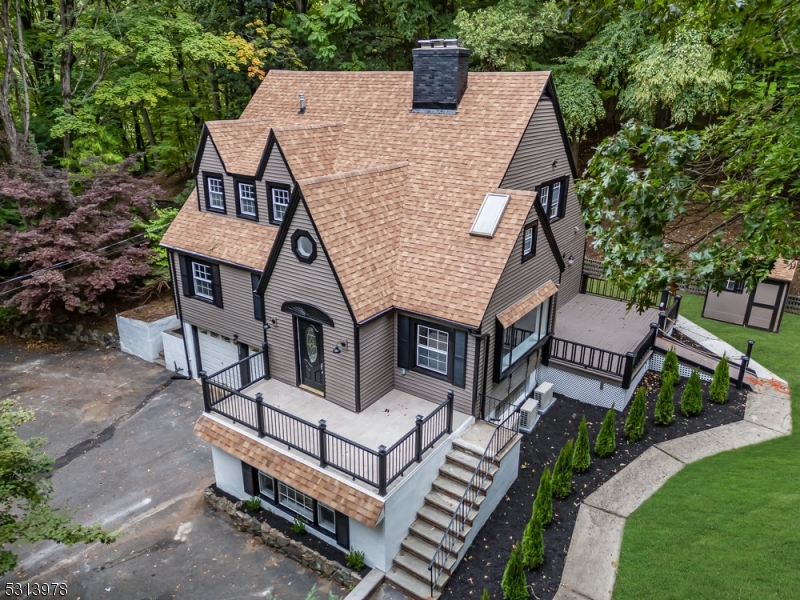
x=590 y=569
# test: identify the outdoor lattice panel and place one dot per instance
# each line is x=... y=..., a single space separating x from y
x=793 y=305
x=585 y=389
x=657 y=363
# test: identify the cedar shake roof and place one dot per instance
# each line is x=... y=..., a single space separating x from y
x=514 y=313
x=784 y=270
x=230 y=240
x=397 y=236
x=355 y=503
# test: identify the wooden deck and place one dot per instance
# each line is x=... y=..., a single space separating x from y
x=603 y=323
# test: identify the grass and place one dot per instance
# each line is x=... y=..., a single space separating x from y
x=727 y=526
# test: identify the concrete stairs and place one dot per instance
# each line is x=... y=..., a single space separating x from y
x=409 y=571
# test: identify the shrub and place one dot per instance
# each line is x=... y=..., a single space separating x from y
x=299 y=525
x=543 y=503
x=720 y=383
x=253 y=503
x=606 y=441
x=533 y=544
x=692 y=398
x=581 y=457
x=562 y=472
x=514 y=584
x=355 y=559
x=634 y=424
x=670 y=368
x=665 y=405
x=485 y=595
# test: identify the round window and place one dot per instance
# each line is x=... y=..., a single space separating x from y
x=305 y=246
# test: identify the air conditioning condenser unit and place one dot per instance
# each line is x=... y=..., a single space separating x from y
x=528 y=415
x=544 y=394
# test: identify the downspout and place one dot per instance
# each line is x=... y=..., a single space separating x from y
x=481 y=336
x=180 y=317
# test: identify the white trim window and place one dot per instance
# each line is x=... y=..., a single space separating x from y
x=296 y=500
x=432 y=349
x=524 y=335
x=247 y=199
x=280 y=201
x=544 y=198
x=326 y=517
x=266 y=485
x=203 y=282
x=555 y=200
x=216 y=193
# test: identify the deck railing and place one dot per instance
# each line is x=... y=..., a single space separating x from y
x=603 y=287
x=505 y=432
x=222 y=394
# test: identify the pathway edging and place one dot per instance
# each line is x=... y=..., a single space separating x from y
x=590 y=570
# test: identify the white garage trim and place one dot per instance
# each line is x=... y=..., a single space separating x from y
x=216 y=351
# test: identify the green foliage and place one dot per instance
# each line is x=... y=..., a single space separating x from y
x=355 y=559
x=720 y=383
x=562 y=472
x=25 y=510
x=606 y=441
x=670 y=370
x=665 y=405
x=692 y=398
x=514 y=584
x=253 y=503
x=543 y=502
x=533 y=544
x=485 y=594
x=299 y=524
x=634 y=423
x=581 y=457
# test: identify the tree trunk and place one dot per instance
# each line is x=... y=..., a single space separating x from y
x=151 y=138
x=5 y=87
x=66 y=9
x=212 y=82
x=25 y=117
x=139 y=139
x=300 y=6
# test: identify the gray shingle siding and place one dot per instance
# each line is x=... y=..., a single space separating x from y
x=376 y=343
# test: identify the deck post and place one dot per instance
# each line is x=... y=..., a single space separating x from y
x=653 y=334
x=382 y=470
x=664 y=297
x=260 y=414
x=742 y=367
x=677 y=305
x=419 y=437
x=750 y=344
x=323 y=449
x=662 y=322
x=628 y=373
x=584 y=280
x=264 y=349
x=450 y=403
x=204 y=383
x=546 y=352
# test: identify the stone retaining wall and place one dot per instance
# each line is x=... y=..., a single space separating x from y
x=274 y=538
x=67 y=332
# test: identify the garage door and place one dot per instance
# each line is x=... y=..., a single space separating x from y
x=216 y=351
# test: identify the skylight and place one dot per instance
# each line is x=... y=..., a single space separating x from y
x=489 y=215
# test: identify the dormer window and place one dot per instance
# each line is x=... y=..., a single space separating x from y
x=529 y=241
x=215 y=192
x=552 y=196
x=278 y=202
x=246 y=199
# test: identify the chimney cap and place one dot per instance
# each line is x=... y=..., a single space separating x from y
x=440 y=43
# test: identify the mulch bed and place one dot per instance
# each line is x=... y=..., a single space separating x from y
x=486 y=559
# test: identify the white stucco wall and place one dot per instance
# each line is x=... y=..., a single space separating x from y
x=228 y=473
x=143 y=339
x=190 y=346
x=174 y=352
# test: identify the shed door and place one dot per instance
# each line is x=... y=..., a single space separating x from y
x=765 y=305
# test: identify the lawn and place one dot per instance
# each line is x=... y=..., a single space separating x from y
x=727 y=526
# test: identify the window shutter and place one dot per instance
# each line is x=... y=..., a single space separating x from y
x=186 y=276
x=258 y=306
x=403 y=331
x=342 y=530
x=250 y=479
x=460 y=359
x=564 y=190
x=216 y=285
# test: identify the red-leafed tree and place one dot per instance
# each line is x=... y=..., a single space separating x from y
x=79 y=240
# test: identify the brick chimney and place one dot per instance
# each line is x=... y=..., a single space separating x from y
x=441 y=68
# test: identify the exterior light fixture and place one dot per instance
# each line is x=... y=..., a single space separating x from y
x=339 y=347
x=571 y=259
x=336 y=350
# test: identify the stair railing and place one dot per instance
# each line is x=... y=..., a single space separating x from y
x=501 y=436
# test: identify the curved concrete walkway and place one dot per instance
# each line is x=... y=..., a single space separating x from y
x=591 y=566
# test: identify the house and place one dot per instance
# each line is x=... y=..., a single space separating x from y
x=368 y=279
x=761 y=308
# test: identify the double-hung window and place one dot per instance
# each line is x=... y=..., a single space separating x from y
x=279 y=202
x=296 y=500
x=200 y=279
x=215 y=192
x=432 y=349
x=246 y=196
x=528 y=241
x=203 y=283
x=552 y=196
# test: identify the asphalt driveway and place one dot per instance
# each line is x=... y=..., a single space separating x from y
x=121 y=431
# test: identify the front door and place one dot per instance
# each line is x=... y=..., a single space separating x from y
x=309 y=350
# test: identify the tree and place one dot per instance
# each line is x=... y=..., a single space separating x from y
x=533 y=543
x=562 y=472
x=720 y=382
x=670 y=370
x=543 y=502
x=581 y=457
x=606 y=441
x=25 y=512
x=634 y=423
x=692 y=398
x=514 y=584
x=665 y=405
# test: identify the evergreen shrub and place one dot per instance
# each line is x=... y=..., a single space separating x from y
x=692 y=398
x=581 y=457
x=634 y=423
x=606 y=441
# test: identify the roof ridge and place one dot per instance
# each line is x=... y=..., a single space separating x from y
x=281 y=128
x=356 y=173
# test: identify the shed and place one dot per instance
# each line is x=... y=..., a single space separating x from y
x=762 y=308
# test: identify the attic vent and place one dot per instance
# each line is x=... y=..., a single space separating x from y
x=489 y=215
